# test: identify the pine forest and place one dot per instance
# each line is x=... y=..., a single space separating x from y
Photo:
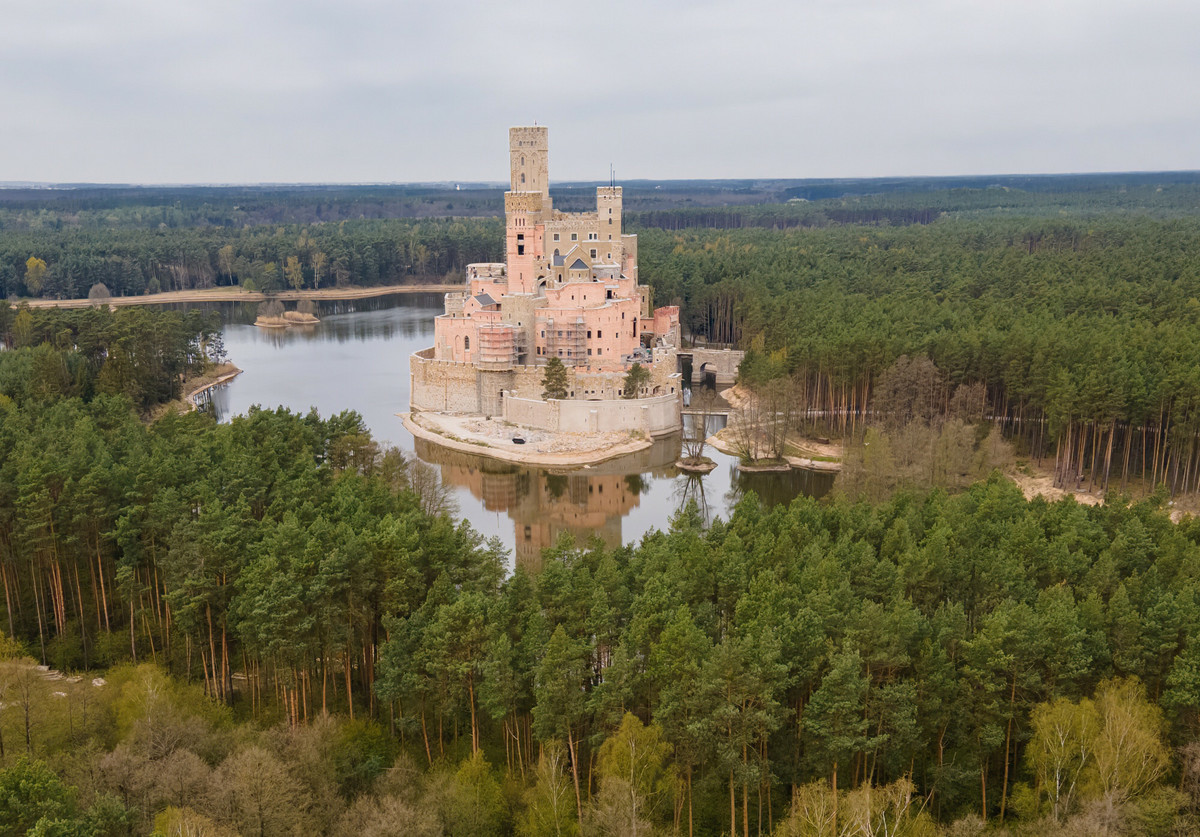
x=271 y=626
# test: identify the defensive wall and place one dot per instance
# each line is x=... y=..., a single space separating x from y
x=656 y=416
x=454 y=387
x=446 y=386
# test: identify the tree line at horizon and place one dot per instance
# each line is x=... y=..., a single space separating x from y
x=928 y=661
x=67 y=263
x=137 y=241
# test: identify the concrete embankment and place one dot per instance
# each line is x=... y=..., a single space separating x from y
x=483 y=437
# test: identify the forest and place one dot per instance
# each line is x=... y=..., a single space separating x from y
x=1082 y=333
x=271 y=626
x=265 y=627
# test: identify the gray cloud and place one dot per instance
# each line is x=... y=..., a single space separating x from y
x=366 y=90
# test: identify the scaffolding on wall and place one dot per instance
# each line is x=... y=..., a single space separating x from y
x=567 y=340
x=500 y=346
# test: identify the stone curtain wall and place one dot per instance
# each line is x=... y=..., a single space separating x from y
x=442 y=386
x=658 y=416
x=449 y=387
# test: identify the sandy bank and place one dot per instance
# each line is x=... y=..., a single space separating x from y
x=223 y=373
x=809 y=454
x=235 y=294
x=194 y=387
x=721 y=441
x=484 y=437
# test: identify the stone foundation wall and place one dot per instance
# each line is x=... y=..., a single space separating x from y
x=527 y=381
x=449 y=387
x=657 y=416
x=442 y=386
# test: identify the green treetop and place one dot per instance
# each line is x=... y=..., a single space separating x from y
x=554 y=380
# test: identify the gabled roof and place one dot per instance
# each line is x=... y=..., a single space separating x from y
x=485 y=300
x=578 y=264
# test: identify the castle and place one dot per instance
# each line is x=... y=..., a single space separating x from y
x=569 y=290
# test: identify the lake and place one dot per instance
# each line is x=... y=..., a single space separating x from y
x=356 y=358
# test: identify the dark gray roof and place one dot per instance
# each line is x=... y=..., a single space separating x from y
x=558 y=260
x=485 y=300
x=578 y=265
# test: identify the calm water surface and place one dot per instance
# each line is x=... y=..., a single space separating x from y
x=357 y=359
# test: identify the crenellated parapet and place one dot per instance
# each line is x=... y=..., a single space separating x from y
x=530 y=202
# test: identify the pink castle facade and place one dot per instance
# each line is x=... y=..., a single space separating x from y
x=568 y=289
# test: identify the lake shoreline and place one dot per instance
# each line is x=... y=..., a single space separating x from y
x=237 y=294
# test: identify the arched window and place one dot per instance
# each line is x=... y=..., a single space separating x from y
x=467 y=344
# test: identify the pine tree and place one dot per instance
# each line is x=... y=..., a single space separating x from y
x=554 y=381
x=637 y=377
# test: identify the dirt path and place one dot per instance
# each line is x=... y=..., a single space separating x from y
x=234 y=294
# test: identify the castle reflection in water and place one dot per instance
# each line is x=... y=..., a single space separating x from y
x=543 y=504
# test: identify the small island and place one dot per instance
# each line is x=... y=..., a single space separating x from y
x=271 y=314
x=556 y=355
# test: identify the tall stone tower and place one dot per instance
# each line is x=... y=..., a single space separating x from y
x=526 y=205
x=529 y=161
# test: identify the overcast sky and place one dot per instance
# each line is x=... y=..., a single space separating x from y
x=237 y=91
